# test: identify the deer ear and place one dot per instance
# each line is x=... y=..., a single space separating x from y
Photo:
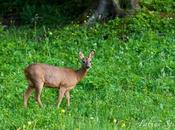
x=81 y=55
x=91 y=54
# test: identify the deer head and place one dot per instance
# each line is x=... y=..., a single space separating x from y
x=86 y=61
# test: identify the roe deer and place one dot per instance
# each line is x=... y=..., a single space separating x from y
x=64 y=79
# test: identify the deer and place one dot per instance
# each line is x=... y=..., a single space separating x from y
x=64 y=79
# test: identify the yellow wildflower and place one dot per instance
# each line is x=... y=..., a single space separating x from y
x=123 y=125
x=29 y=122
x=114 y=120
x=63 y=111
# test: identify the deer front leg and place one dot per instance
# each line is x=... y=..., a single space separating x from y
x=61 y=95
x=68 y=98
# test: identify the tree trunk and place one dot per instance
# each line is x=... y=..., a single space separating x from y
x=108 y=9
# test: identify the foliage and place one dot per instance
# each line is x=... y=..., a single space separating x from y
x=130 y=85
x=48 y=12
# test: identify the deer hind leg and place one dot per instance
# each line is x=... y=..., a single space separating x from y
x=68 y=98
x=27 y=94
x=61 y=95
x=38 y=90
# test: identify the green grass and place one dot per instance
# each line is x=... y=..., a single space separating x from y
x=131 y=84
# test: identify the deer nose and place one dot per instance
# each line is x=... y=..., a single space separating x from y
x=87 y=66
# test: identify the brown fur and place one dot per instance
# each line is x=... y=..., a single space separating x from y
x=65 y=79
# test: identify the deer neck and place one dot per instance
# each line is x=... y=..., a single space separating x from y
x=81 y=73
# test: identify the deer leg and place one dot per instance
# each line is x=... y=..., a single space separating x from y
x=38 y=89
x=61 y=95
x=68 y=98
x=27 y=94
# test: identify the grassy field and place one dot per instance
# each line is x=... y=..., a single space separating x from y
x=131 y=84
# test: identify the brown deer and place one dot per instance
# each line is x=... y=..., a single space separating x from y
x=65 y=79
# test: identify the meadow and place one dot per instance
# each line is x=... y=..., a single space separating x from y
x=131 y=84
